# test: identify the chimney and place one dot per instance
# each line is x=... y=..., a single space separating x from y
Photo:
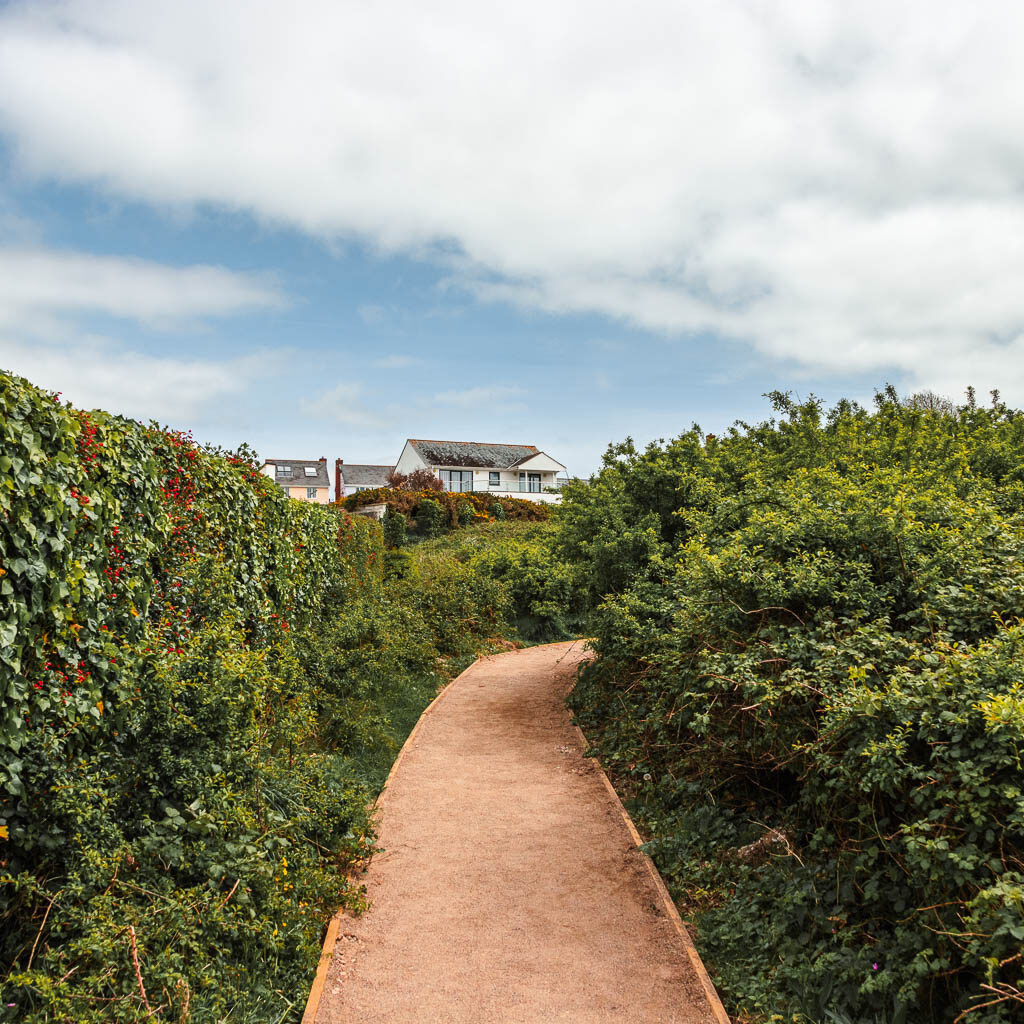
x=338 y=463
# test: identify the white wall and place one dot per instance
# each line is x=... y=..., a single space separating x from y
x=544 y=463
x=409 y=460
x=509 y=487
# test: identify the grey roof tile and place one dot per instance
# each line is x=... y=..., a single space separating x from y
x=355 y=475
x=297 y=475
x=477 y=454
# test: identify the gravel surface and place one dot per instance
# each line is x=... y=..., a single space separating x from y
x=509 y=889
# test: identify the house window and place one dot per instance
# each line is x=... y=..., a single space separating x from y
x=456 y=479
x=311 y=493
x=309 y=470
x=494 y=479
x=283 y=470
x=529 y=482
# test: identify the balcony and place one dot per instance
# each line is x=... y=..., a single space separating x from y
x=513 y=487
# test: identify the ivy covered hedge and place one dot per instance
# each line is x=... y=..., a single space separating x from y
x=203 y=681
x=810 y=642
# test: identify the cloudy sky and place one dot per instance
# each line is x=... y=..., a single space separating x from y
x=323 y=227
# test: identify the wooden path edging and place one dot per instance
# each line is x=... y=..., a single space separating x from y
x=331 y=938
x=668 y=904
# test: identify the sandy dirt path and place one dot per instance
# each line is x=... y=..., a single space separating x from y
x=509 y=889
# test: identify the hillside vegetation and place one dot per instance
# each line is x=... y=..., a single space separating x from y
x=809 y=642
x=807 y=632
x=204 y=685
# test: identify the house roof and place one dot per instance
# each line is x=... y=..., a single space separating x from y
x=298 y=477
x=471 y=453
x=355 y=475
x=533 y=455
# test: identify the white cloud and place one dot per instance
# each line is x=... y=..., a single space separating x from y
x=100 y=373
x=44 y=282
x=344 y=403
x=837 y=183
x=47 y=298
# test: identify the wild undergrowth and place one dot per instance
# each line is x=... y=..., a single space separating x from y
x=545 y=599
x=204 y=685
x=809 y=636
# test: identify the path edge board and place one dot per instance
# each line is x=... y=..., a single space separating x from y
x=671 y=910
x=316 y=990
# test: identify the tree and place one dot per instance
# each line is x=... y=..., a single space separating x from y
x=417 y=480
x=929 y=401
x=423 y=480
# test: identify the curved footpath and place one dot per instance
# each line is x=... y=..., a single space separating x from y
x=510 y=889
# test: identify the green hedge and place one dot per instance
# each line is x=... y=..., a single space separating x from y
x=809 y=680
x=203 y=681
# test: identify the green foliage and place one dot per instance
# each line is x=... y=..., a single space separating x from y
x=394 y=526
x=543 y=595
x=460 y=508
x=204 y=682
x=430 y=517
x=809 y=641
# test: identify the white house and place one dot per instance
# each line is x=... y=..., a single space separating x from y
x=504 y=470
x=305 y=479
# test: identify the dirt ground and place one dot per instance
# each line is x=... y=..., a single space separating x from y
x=509 y=889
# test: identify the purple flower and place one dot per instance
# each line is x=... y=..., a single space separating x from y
x=874 y=967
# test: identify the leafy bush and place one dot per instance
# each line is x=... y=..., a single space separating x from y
x=808 y=681
x=394 y=526
x=430 y=517
x=545 y=601
x=204 y=681
x=484 y=506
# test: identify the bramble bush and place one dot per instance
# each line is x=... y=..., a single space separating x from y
x=204 y=682
x=809 y=636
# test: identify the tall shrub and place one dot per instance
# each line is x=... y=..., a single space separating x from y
x=203 y=680
x=809 y=644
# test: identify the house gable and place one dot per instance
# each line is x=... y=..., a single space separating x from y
x=539 y=463
x=410 y=460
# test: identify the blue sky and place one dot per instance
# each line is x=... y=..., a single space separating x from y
x=323 y=228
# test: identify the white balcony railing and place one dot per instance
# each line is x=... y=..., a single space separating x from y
x=510 y=487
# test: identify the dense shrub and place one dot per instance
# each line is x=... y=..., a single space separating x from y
x=394 y=526
x=481 y=506
x=203 y=681
x=808 y=680
x=429 y=517
x=545 y=599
